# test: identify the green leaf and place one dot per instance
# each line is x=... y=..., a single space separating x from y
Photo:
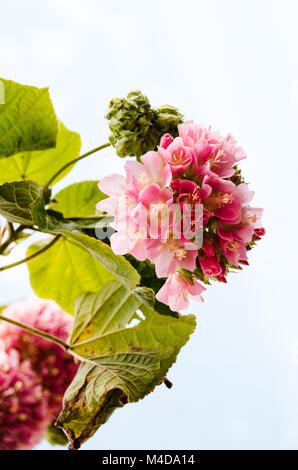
x=104 y=311
x=122 y=363
x=27 y=119
x=78 y=199
x=41 y=165
x=64 y=271
x=116 y=264
x=22 y=202
x=56 y=436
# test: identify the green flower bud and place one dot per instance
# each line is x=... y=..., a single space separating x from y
x=136 y=127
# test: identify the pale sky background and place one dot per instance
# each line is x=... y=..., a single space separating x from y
x=232 y=64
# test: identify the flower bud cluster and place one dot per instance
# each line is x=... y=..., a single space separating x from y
x=136 y=127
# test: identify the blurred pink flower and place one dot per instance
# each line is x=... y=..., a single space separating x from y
x=53 y=365
x=24 y=414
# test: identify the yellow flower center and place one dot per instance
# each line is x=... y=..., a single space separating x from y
x=179 y=158
x=145 y=179
x=178 y=252
x=216 y=158
x=248 y=219
x=223 y=199
x=233 y=246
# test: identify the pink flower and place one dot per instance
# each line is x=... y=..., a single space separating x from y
x=225 y=201
x=177 y=155
x=252 y=216
x=131 y=234
x=54 y=366
x=114 y=186
x=149 y=218
x=24 y=415
x=234 y=250
x=214 y=154
x=151 y=170
x=157 y=203
x=166 y=140
x=232 y=241
x=189 y=196
x=208 y=248
x=145 y=178
x=246 y=194
x=138 y=177
x=190 y=132
x=259 y=233
x=176 y=291
x=187 y=191
x=210 y=265
x=223 y=156
x=153 y=194
x=221 y=277
x=171 y=255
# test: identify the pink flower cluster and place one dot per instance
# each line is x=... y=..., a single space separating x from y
x=196 y=170
x=34 y=372
x=24 y=414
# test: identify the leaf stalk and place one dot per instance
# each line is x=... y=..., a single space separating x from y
x=72 y=162
x=37 y=332
x=34 y=255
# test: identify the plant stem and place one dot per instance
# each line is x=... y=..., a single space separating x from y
x=37 y=253
x=10 y=239
x=72 y=162
x=12 y=236
x=40 y=333
x=35 y=229
x=91 y=217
